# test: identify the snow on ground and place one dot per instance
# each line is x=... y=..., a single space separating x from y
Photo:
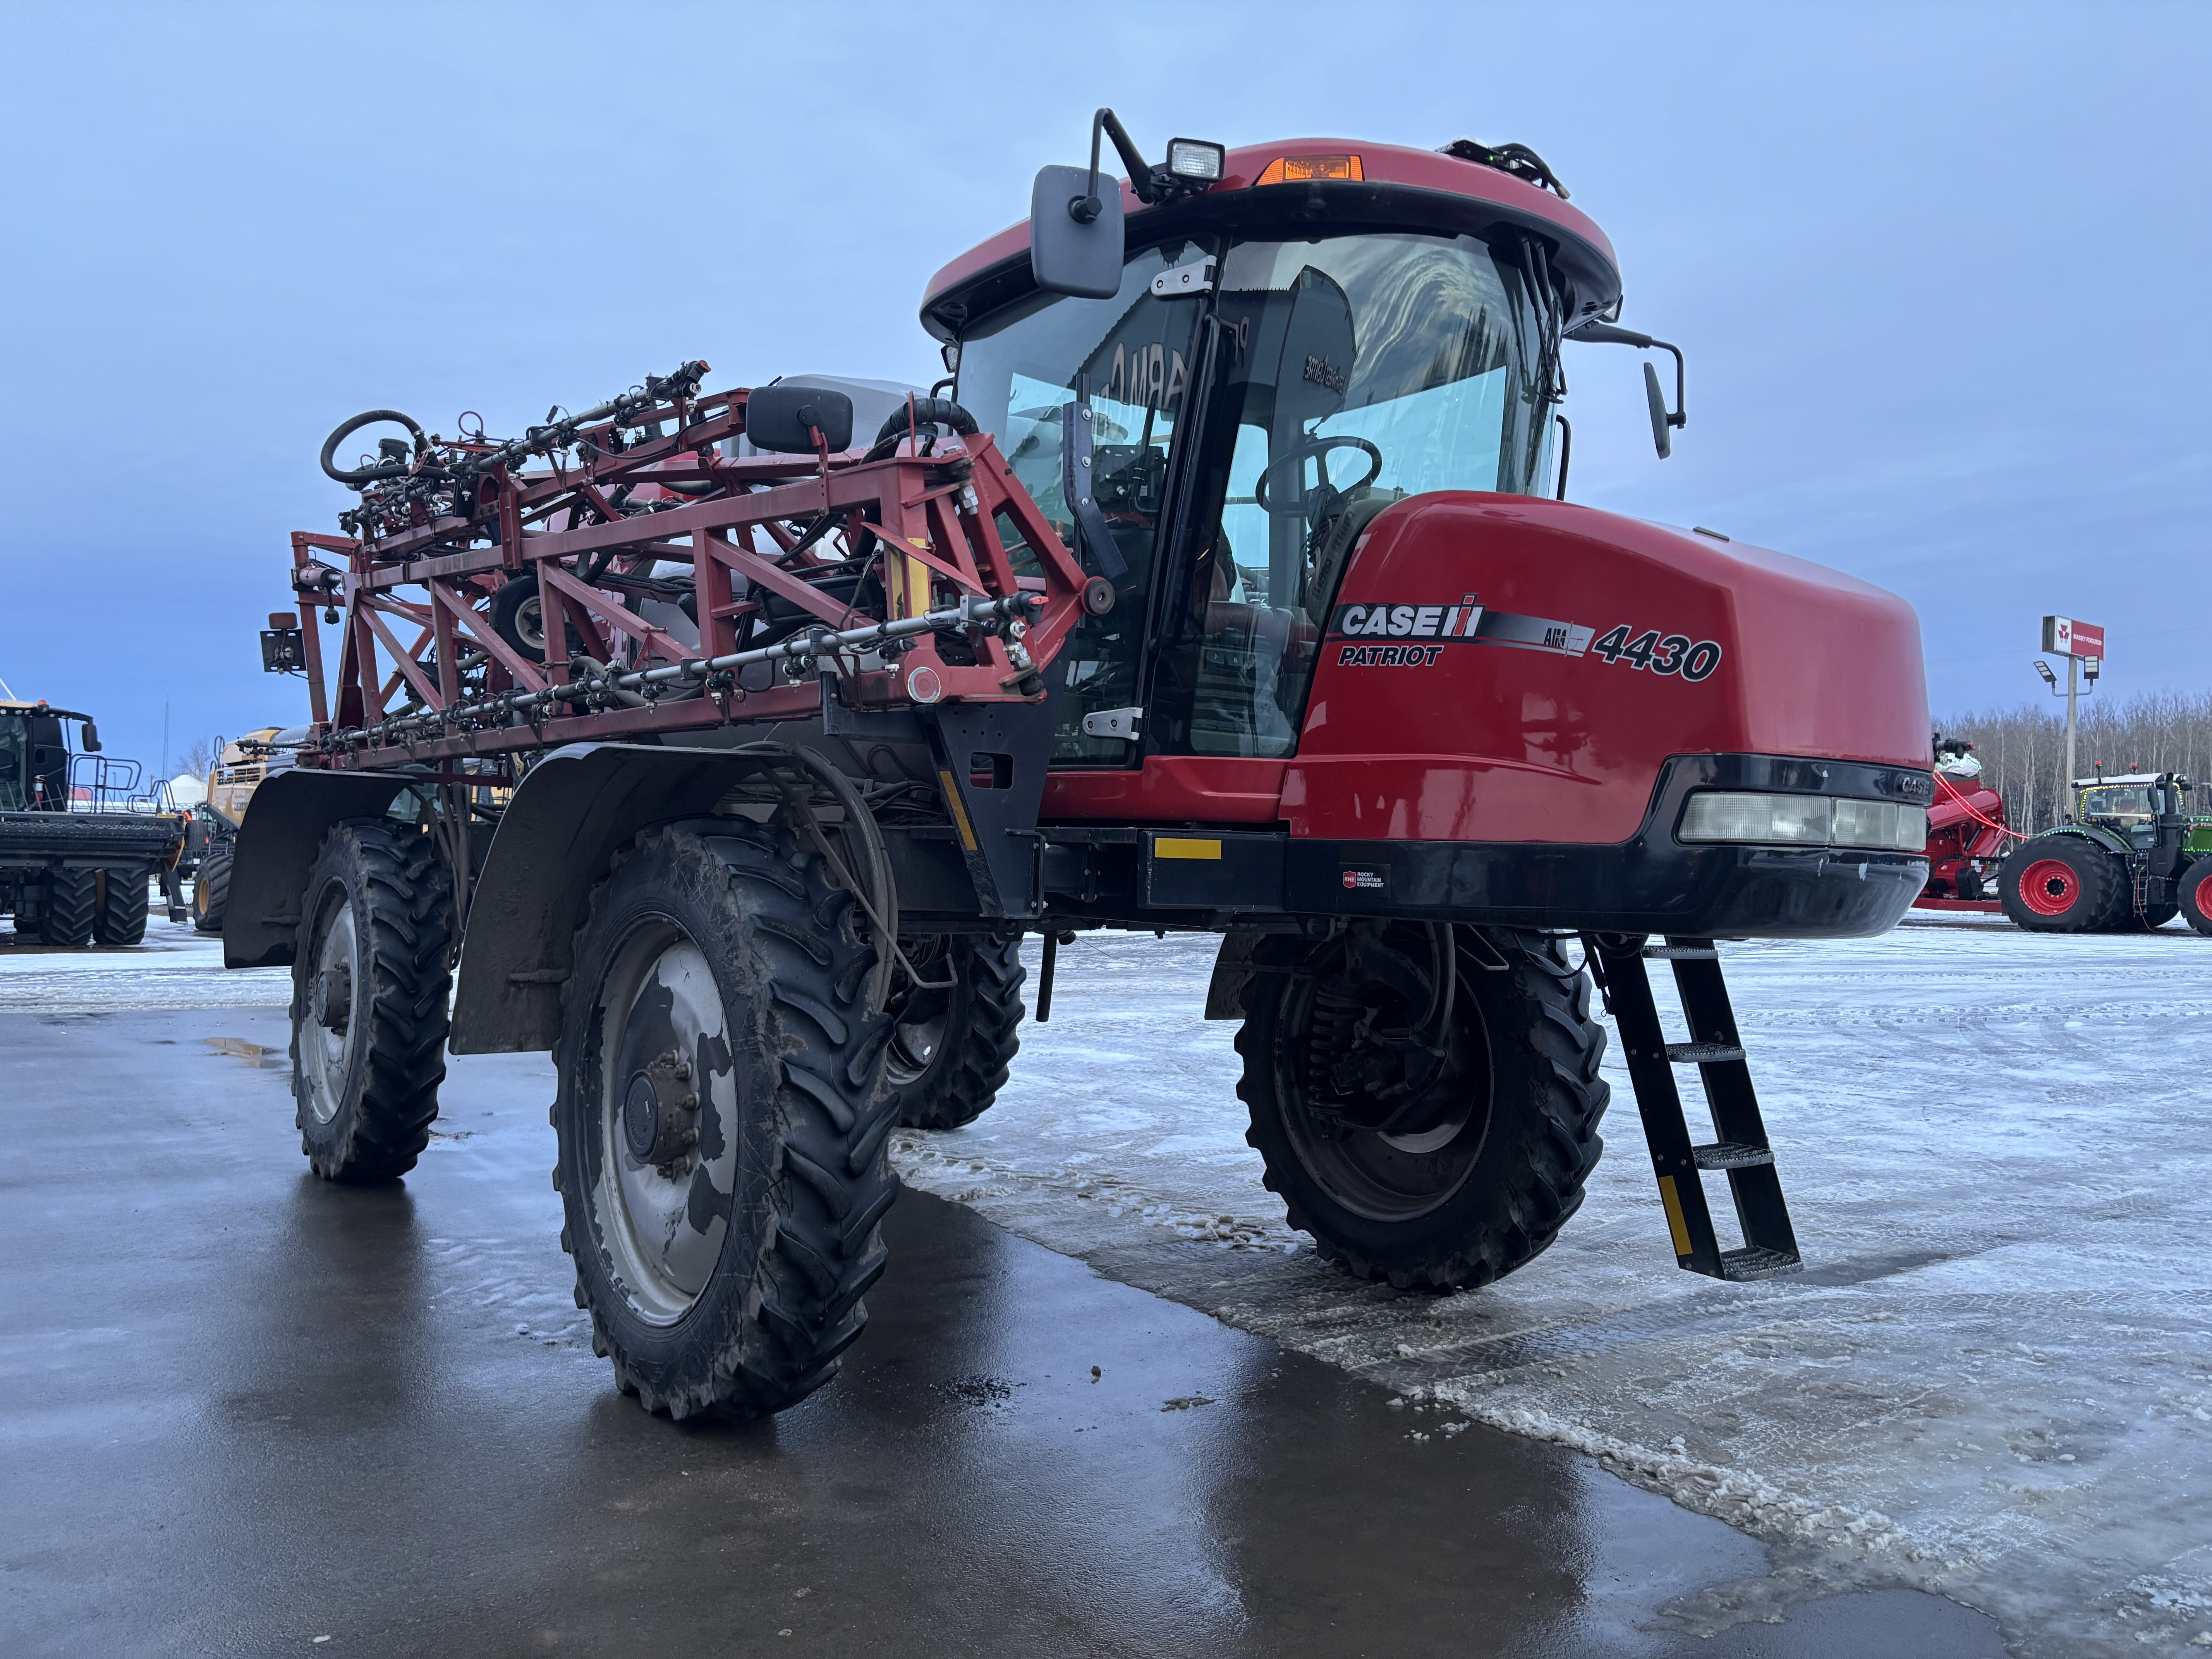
x=1993 y=1379
x=175 y=968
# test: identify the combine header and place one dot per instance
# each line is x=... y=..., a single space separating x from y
x=1231 y=589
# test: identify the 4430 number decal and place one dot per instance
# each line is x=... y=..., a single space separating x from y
x=1663 y=653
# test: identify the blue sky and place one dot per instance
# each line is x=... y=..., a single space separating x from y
x=1908 y=249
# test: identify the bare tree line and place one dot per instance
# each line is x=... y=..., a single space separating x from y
x=2023 y=750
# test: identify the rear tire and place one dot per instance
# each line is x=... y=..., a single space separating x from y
x=1493 y=1158
x=723 y=1134
x=121 y=921
x=369 y=985
x=72 y=907
x=949 y=1048
x=2196 y=892
x=2063 y=883
x=212 y=891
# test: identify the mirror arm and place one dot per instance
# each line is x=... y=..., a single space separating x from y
x=1085 y=209
x=1611 y=334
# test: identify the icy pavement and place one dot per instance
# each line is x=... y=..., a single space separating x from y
x=175 y=968
x=1994 y=1380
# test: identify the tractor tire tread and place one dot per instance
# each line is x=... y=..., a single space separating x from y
x=408 y=932
x=212 y=891
x=830 y=1166
x=1559 y=1144
x=72 y=907
x=958 y=1088
x=120 y=919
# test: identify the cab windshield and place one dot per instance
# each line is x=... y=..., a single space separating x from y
x=1331 y=377
x=2124 y=803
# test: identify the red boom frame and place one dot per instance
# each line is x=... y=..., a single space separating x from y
x=925 y=516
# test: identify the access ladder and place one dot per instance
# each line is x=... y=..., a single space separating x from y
x=1740 y=1149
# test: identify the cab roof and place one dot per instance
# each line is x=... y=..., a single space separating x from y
x=1398 y=187
x=13 y=706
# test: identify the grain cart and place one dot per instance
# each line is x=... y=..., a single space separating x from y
x=1222 y=586
x=80 y=840
x=2128 y=859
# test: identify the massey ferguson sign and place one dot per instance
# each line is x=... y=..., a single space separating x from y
x=2065 y=637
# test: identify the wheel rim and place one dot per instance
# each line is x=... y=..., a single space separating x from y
x=2049 y=887
x=1386 y=1177
x=334 y=995
x=664 y=1224
x=530 y=622
x=921 y=1017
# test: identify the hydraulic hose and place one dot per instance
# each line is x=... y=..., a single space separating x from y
x=919 y=412
x=357 y=476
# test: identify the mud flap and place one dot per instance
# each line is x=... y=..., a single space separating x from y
x=990 y=761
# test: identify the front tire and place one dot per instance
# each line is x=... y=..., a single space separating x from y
x=1435 y=1173
x=723 y=1138
x=2063 y=883
x=120 y=918
x=71 y=907
x=2196 y=894
x=952 y=1045
x=212 y=889
x=370 y=980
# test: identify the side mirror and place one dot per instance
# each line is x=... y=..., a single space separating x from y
x=1073 y=255
x=783 y=419
x=91 y=739
x=1662 y=430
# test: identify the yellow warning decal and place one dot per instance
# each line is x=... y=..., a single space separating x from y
x=1675 y=1225
x=959 y=811
x=1175 y=847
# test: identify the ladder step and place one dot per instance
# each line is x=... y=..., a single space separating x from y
x=1751 y=1262
x=1681 y=953
x=1702 y=1054
x=1731 y=1155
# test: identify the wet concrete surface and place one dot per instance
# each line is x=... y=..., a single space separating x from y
x=241 y=1410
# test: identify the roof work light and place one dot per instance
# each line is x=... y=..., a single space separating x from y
x=1195 y=161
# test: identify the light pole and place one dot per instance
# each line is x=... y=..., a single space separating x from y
x=2075 y=674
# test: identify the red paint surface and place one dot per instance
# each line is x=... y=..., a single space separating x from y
x=1493 y=743
x=1384 y=164
x=1171 y=789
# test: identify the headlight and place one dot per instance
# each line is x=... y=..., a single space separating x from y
x=1880 y=824
x=1804 y=821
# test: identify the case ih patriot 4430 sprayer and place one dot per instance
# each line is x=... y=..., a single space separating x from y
x=1227 y=591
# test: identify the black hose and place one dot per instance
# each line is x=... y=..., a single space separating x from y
x=359 y=475
x=924 y=411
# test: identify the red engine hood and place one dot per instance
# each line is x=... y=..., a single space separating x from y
x=1604 y=645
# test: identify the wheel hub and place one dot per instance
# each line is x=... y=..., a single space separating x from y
x=661 y=1111
x=2049 y=887
x=333 y=1009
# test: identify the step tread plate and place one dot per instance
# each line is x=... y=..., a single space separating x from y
x=1732 y=1155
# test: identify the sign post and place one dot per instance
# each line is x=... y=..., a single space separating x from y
x=2063 y=636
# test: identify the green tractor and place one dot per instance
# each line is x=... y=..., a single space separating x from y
x=2128 y=860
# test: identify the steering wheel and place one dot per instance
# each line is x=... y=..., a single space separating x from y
x=1292 y=467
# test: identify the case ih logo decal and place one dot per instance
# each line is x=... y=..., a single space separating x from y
x=1465 y=623
x=1671 y=655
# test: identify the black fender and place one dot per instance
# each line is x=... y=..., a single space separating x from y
x=293 y=811
x=569 y=814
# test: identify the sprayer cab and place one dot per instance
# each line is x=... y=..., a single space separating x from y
x=1298 y=403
